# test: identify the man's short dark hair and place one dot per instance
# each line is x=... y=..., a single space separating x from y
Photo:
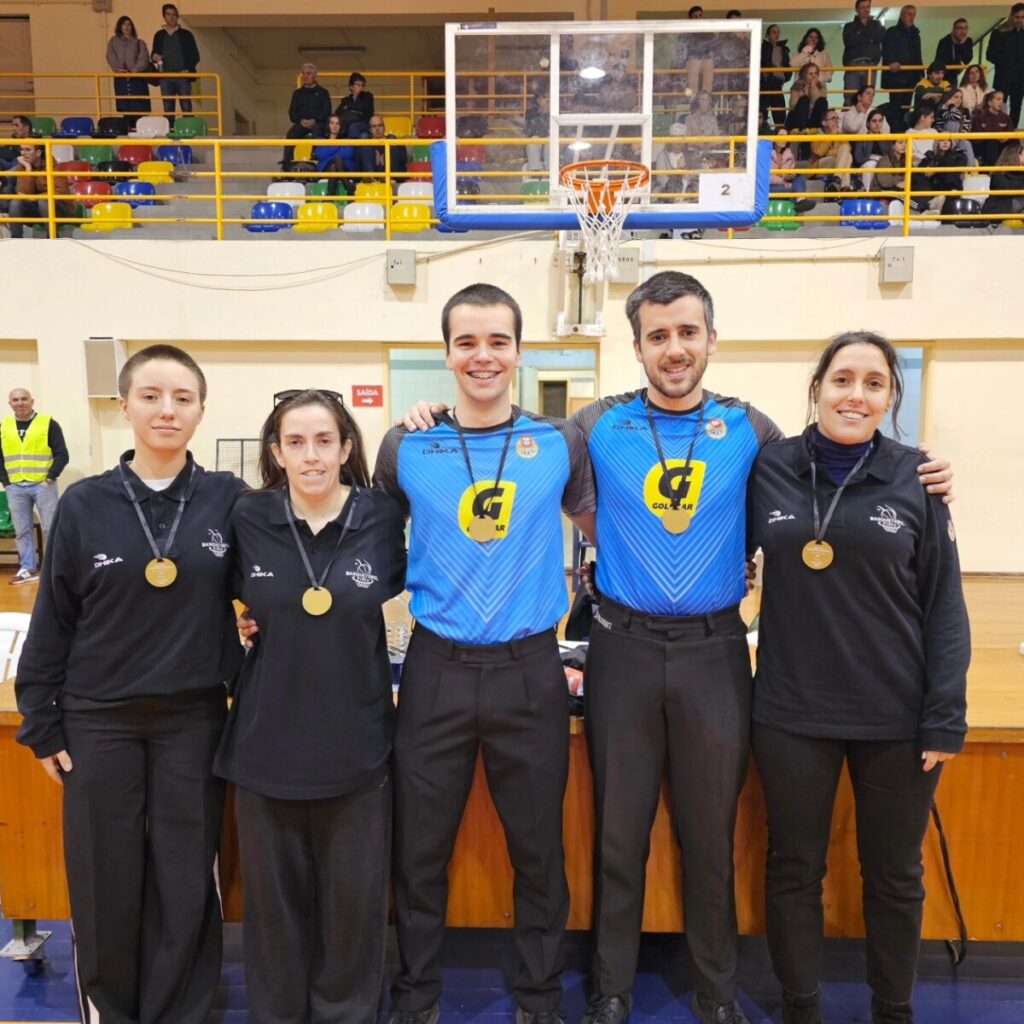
x=693 y=10
x=923 y=110
x=22 y=119
x=936 y=65
x=166 y=8
x=662 y=290
x=1017 y=8
x=356 y=77
x=480 y=295
x=959 y=21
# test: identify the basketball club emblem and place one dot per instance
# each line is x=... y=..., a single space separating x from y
x=716 y=429
x=526 y=447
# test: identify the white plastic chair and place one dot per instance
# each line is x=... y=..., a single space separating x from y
x=152 y=127
x=979 y=182
x=13 y=627
x=363 y=211
x=293 y=192
x=61 y=154
x=421 y=192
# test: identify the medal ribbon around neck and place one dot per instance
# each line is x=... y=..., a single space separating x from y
x=817 y=554
x=160 y=570
x=482 y=528
x=675 y=519
x=317 y=599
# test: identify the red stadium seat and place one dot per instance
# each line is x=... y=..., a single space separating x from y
x=430 y=127
x=99 y=190
x=421 y=170
x=77 y=166
x=135 y=155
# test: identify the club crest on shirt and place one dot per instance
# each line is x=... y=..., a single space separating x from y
x=487 y=500
x=887 y=519
x=716 y=429
x=526 y=447
x=216 y=545
x=682 y=484
x=362 y=576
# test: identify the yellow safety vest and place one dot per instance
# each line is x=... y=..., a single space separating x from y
x=28 y=460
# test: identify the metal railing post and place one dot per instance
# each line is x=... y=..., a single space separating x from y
x=218 y=190
x=51 y=202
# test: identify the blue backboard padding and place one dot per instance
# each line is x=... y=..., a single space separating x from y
x=565 y=220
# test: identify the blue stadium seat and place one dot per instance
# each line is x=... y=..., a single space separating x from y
x=863 y=208
x=73 y=127
x=136 y=193
x=269 y=211
x=180 y=156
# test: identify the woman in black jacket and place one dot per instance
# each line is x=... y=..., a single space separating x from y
x=862 y=659
x=774 y=58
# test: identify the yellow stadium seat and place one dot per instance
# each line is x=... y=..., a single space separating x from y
x=303 y=152
x=109 y=217
x=156 y=172
x=373 y=192
x=315 y=218
x=399 y=126
x=409 y=218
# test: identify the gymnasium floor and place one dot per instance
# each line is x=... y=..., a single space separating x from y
x=987 y=989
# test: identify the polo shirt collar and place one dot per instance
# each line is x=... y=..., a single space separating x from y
x=278 y=517
x=880 y=464
x=184 y=484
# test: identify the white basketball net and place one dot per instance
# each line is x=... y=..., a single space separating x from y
x=601 y=193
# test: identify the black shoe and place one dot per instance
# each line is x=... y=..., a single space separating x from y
x=803 y=205
x=608 y=1009
x=539 y=1017
x=890 y=1013
x=708 y=1012
x=419 y=1017
x=801 y=1009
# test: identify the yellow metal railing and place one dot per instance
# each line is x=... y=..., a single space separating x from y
x=68 y=94
x=60 y=192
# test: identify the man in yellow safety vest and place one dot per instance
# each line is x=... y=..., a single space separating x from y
x=34 y=455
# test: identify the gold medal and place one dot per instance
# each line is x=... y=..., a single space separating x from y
x=317 y=600
x=817 y=554
x=676 y=520
x=161 y=572
x=482 y=529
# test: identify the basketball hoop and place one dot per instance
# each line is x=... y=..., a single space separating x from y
x=601 y=193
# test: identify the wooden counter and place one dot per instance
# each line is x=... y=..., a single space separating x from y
x=981 y=799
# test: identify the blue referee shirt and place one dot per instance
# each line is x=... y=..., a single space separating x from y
x=513 y=586
x=640 y=564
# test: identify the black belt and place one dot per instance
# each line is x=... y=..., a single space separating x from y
x=681 y=626
x=471 y=654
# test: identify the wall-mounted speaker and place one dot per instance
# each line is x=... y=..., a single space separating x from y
x=104 y=358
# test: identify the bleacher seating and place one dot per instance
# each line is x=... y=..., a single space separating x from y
x=315 y=218
x=74 y=127
x=43 y=126
x=152 y=127
x=409 y=218
x=91 y=192
x=109 y=217
x=134 y=154
x=355 y=212
x=136 y=193
x=270 y=211
x=156 y=172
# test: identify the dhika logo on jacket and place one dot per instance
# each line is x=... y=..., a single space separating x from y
x=887 y=519
x=257 y=572
x=101 y=560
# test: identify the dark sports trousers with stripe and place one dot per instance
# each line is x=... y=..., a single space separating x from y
x=142 y=814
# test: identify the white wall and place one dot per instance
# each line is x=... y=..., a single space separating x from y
x=264 y=317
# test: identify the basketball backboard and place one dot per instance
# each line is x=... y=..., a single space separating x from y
x=525 y=99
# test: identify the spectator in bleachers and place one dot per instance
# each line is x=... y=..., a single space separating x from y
x=21 y=128
x=862 y=48
x=702 y=120
x=33 y=158
x=867 y=153
x=356 y=109
x=932 y=87
x=774 y=54
x=372 y=158
x=901 y=48
x=537 y=126
x=174 y=50
x=812 y=51
x=974 y=87
x=808 y=100
x=852 y=120
x=956 y=48
x=1009 y=178
x=952 y=116
x=697 y=55
x=1006 y=52
x=940 y=170
x=672 y=157
x=336 y=155
x=128 y=54
x=831 y=154
x=308 y=111
x=734 y=120
x=890 y=174
x=731 y=50
x=990 y=118
x=784 y=159
x=923 y=119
